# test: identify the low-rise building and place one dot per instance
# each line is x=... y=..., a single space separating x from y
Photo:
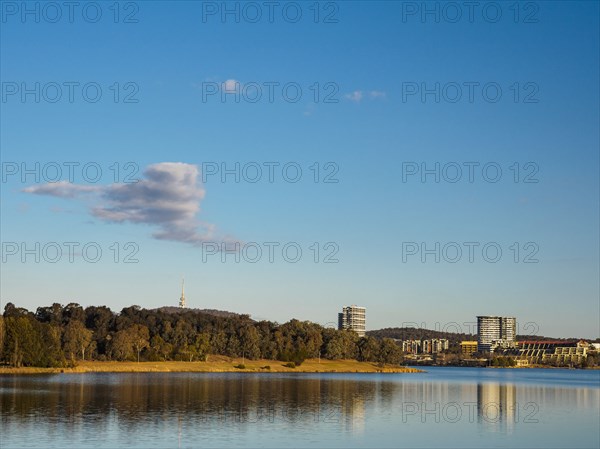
x=411 y=346
x=564 y=355
x=553 y=351
x=432 y=346
x=468 y=347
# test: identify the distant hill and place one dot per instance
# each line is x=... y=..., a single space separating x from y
x=541 y=337
x=214 y=312
x=414 y=333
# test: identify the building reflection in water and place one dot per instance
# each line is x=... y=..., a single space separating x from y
x=497 y=406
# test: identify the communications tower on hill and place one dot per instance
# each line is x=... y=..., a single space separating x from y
x=182 y=299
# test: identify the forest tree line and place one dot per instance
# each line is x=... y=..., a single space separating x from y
x=57 y=335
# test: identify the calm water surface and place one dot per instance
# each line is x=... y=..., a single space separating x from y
x=445 y=407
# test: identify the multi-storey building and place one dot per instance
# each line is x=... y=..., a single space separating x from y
x=432 y=346
x=439 y=345
x=560 y=351
x=468 y=347
x=353 y=318
x=411 y=346
x=495 y=332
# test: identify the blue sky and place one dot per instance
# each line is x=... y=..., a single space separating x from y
x=372 y=58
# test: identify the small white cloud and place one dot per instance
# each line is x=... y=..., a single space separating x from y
x=355 y=96
x=374 y=94
x=231 y=86
x=61 y=189
x=358 y=95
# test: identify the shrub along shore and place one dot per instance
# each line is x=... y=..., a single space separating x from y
x=219 y=364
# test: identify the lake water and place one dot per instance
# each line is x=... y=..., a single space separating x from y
x=445 y=407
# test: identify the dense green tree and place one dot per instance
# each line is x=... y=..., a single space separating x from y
x=31 y=343
x=219 y=342
x=342 y=345
x=139 y=338
x=167 y=330
x=100 y=320
x=53 y=354
x=73 y=312
x=11 y=311
x=52 y=314
x=234 y=348
x=16 y=338
x=161 y=347
x=202 y=345
x=23 y=343
x=368 y=349
x=249 y=342
x=77 y=339
x=390 y=352
x=121 y=345
x=314 y=340
x=183 y=333
x=186 y=352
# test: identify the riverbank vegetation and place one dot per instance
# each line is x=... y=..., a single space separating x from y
x=219 y=364
x=65 y=336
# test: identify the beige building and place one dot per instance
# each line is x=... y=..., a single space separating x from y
x=565 y=354
x=468 y=347
x=553 y=351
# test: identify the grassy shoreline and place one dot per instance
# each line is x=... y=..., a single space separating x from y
x=218 y=364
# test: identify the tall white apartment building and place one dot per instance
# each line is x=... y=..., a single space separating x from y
x=353 y=318
x=495 y=332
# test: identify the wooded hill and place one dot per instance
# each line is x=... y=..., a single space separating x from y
x=59 y=335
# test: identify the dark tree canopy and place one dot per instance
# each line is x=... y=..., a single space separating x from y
x=58 y=335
